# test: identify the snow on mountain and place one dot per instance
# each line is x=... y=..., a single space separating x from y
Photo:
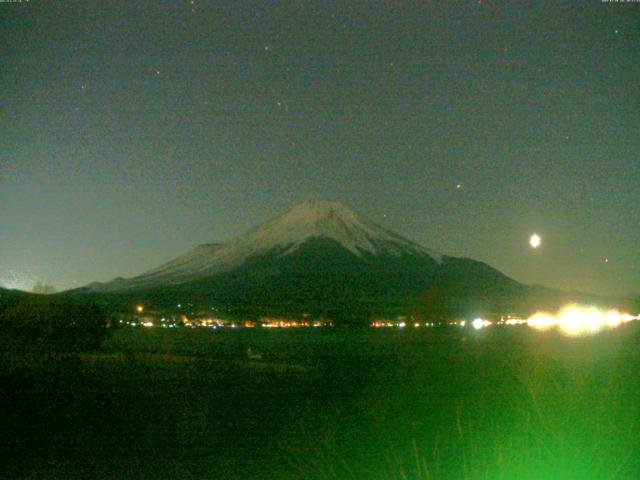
x=284 y=235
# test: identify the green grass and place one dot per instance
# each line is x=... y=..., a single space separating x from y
x=364 y=404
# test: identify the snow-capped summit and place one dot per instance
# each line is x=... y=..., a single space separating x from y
x=284 y=235
x=332 y=220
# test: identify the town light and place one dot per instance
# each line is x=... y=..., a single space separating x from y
x=478 y=323
x=576 y=320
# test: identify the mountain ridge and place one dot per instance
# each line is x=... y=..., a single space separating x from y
x=323 y=259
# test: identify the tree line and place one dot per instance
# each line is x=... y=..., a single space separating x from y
x=34 y=322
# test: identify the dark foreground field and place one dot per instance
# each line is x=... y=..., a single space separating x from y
x=327 y=404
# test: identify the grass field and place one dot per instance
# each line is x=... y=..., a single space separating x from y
x=501 y=403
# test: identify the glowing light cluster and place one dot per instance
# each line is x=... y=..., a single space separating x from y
x=285 y=323
x=513 y=321
x=479 y=323
x=576 y=320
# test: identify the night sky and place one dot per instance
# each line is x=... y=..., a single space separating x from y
x=134 y=131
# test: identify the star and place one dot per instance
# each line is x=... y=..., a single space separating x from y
x=459 y=186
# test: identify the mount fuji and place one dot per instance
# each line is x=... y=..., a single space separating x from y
x=284 y=236
x=322 y=258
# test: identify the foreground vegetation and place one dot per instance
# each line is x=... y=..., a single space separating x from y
x=338 y=404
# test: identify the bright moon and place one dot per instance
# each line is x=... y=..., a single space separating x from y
x=535 y=240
